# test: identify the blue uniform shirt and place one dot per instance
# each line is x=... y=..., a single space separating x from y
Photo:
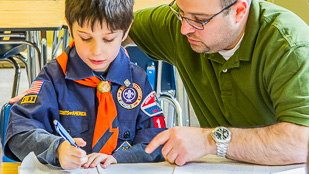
x=54 y=95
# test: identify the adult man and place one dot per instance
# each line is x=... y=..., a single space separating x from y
x=247 y=69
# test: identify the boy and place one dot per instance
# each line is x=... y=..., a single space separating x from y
x=94 y=91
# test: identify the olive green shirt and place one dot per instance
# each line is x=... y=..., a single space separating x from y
x=264 y=82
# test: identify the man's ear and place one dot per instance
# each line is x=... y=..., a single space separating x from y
x=127 y=32
x=241 y=10
x=70 y=31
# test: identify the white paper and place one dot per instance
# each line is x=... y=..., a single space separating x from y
x=31 y=165
x=208 y=165
x=212 y=164
x=301 y=170
x=139 y=168
x=206 y=168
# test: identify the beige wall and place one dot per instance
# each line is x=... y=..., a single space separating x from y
x=299 y=7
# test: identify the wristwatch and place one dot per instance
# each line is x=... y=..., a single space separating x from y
x=222 y=137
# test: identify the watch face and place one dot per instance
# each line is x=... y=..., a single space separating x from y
x=222 y=134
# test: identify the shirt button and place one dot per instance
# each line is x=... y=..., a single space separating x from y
x=126 y=134
x=225 y=70
x=69 y=131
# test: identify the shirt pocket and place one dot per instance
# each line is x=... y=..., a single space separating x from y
x=126 y=132
x=75 y=125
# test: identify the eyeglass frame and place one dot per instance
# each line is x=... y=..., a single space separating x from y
x=180 y=17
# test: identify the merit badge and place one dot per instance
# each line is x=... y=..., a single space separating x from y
x=124 y=146
x=103 y=86
x=150 y=105
x=33 y=92
x=128 y=97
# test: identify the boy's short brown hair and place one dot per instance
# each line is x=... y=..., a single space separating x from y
x=118 y=14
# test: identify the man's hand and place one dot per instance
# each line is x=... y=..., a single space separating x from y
x=183 y=144
x=17 y=98
x=96 y=158
x=71 y=157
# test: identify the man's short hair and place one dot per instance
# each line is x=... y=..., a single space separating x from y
x=225 y=3
x=118 y=14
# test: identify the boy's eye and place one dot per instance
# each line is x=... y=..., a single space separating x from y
x=108 y=40
x=85 y=39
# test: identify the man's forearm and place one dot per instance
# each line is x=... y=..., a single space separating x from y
x=279 y=144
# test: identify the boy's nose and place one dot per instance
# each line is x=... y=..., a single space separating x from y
x=96 y=49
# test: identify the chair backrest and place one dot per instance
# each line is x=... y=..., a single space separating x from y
x=168 y=81
x=12 y=46
x=4 y=118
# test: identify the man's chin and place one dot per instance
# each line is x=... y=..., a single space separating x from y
x=199 y=49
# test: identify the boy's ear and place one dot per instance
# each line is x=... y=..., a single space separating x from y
x=66 y=20
x=127 y=32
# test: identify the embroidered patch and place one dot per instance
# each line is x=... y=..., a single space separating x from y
x=150 y=105
x=76 y=113
x=159 y=122
x=29 y=99
x=33 y=92
x=124 y=146
x=128 y=97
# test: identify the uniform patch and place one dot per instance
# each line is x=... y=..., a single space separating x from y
x=128 y=97
x=29 y=99
x=159 y=122
x=33 y=92
x=35 y=87
x=124 y=146
x=150 y=105
x=76 y=113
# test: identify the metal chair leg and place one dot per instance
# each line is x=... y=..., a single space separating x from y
x=171 y=100
x=16 y=76
x=24 y=60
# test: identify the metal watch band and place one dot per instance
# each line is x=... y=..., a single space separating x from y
x=222 y=149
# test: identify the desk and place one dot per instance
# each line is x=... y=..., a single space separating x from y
x=211 y=163
x=10 y=168
x=31 y=16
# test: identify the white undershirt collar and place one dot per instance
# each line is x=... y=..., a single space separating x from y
x=229 y=53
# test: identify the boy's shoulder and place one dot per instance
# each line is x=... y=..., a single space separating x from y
x=137 y=71
x=51 y=70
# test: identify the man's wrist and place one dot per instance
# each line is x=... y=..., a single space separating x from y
x=210 y=144
x=222 y=137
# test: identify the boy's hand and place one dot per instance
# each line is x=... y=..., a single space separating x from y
x=95 y=158
x=71 y=157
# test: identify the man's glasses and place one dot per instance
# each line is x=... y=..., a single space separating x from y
x=194 y=23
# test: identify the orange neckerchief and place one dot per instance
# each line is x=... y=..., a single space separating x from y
x=106 y=111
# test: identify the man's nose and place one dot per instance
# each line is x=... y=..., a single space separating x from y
x=186 y=28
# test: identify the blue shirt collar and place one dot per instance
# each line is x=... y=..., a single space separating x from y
x=118 y=72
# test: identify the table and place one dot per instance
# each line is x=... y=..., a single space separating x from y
x=32 y=17
x=211 y=163
x=10 y=168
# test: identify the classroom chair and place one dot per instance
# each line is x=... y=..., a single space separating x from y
x=11 y=45
x=4 y=118
x=162 y=78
